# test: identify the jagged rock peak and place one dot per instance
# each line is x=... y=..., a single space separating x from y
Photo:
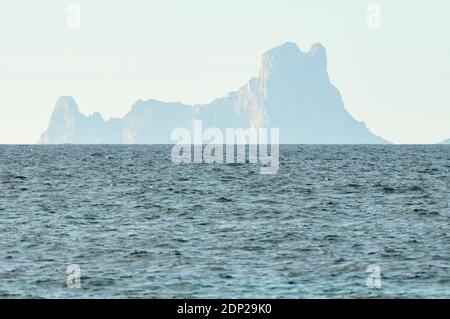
x=66 y=104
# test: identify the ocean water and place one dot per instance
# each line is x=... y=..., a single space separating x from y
x=140 y=226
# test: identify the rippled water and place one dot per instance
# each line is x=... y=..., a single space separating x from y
x=140 y=226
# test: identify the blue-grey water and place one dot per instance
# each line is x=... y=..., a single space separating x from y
x=140 y=226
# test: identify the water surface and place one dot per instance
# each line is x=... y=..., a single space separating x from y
x=140 y=226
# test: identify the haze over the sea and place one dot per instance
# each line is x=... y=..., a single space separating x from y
x=394 y=78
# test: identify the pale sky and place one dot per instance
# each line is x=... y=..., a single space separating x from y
x=396 y=78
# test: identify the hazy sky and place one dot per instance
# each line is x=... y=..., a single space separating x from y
x=396 y=79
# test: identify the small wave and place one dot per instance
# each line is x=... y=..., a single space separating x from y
x=388 y=190
x=415 y=189
x=265 y=201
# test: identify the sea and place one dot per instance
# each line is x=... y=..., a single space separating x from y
x=124 y=221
